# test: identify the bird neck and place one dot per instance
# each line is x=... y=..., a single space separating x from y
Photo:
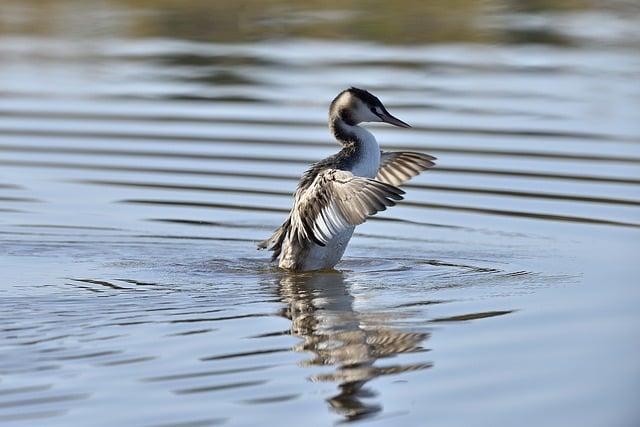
x=351 y=134
x=360 y=144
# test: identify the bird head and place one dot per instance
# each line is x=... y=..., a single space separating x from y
x=356 y=106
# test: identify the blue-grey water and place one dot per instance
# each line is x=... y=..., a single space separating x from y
x=146 y=146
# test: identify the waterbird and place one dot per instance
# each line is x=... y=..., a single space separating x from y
x=341 y=191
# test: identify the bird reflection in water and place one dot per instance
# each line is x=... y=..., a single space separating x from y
x=321 y=310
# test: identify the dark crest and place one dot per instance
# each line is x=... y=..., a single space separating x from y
x=365 y=96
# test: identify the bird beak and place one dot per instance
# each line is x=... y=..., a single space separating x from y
x=386 y=117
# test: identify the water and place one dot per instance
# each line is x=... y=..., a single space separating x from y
x=146 y=147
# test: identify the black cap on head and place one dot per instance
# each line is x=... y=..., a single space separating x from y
x=365 y=96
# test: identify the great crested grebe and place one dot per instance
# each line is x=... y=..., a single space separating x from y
x=341 y=191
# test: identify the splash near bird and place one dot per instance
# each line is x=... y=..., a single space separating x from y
x=341 y=191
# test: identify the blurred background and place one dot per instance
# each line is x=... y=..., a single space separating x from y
x=146 y=145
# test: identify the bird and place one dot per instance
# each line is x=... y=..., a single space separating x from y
x=341 y=191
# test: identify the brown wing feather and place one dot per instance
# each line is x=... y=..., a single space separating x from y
x=337 y=200
x=398 y=167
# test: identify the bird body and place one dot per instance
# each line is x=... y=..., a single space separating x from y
x=341 y=191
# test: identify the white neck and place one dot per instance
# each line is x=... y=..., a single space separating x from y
x=367 y=150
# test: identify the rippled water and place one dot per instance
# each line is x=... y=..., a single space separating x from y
x=145 y=148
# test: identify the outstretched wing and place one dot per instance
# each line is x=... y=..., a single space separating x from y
x=398 y=167
x=337 y=200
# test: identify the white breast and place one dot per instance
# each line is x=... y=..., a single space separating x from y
x=324 y=258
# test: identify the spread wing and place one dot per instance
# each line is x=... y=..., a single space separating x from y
x=398 y=167
x=337 y=200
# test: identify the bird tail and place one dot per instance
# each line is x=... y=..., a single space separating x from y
x=274 y=243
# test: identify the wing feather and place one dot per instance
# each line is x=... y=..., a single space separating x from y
x=397 y=167
x=337 y=200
